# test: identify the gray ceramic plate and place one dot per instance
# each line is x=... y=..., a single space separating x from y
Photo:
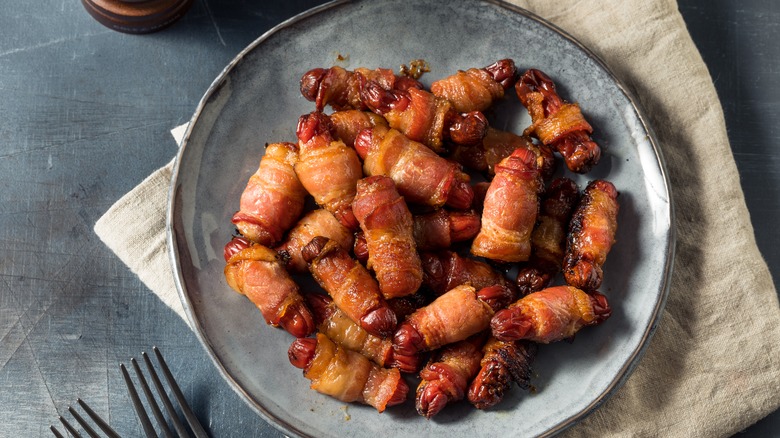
x=256 y=100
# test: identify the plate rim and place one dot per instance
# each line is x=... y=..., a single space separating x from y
x=174 y=257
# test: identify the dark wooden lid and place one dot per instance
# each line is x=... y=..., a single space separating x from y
x=134 y=16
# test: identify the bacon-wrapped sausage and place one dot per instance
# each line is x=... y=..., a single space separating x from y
x=498 y=145
x=336 y=325
x=510 y=210
x=447 y=269
x=273 y=198
x=446 y=376
x=476 y=88
x=350 y=285
x=340 y=88
x=454 y=316
x=433 y=231
x=419 y=174
x=387 y=226
x=348 y=124
x=548 y=240
x=557 y=123
x=503 y=362
x=423 y=117
x=550 y=315
x=346 y=375
x=591 y=235
x=327 y=168
x=319 y=222
x=255 y=271
x=441 y=228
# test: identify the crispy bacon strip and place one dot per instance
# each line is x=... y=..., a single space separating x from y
x=419 y=174
x=340 y=88
x=387 y=226
x=255 y=271
x=347 y=124
x=557 y=123
x=336 y=325
x=346 y=375
x=350 y=285
x=327 y=168
x=498 y=145
x=273 y=198
x=446 y=376
x=503 y=362
x=423 y=117
x=318 y=222
x=548 y=240
x=454 y=316
x=477 y=88
x=510 y=210
x=447 y=269
x=550 y=315
x=591 y=235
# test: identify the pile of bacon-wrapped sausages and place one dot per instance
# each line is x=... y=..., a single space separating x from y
x=414 y=256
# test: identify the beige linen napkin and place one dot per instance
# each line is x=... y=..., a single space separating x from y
x=713 y=366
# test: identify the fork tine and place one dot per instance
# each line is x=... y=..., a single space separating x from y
x=97 y=419
x=55 y=432
x=68 y=427
x=192 y=420
x=164 y=397
x=84 y=425
x=152 y=402
x=139 y=408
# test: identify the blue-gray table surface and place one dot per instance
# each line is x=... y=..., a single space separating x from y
x=85 y=115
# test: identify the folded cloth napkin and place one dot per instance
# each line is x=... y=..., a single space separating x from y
x=713 y=366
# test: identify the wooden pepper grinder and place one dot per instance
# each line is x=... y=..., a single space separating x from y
x=137 y=16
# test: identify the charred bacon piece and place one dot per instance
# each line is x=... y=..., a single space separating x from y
x=503 y=363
